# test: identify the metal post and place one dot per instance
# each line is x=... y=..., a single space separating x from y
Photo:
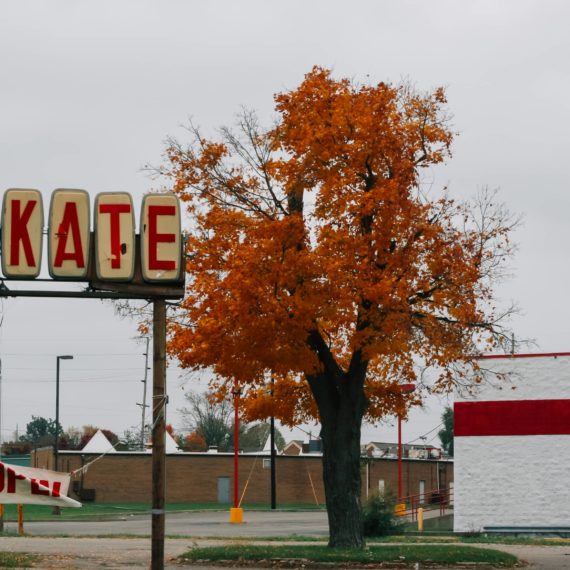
x=403 y=389
x=236 y=445
x=56 y=450
x=158 y=433
x=399 y=458
x=20 y=519
x=272 y=443
x=57 y=510
x=236 y=512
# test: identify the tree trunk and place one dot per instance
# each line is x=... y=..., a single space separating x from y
x=340 y=434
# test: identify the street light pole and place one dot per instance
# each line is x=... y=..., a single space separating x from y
x=56 y=450
x=57 y=510
x=404 y=389
x=236 y=512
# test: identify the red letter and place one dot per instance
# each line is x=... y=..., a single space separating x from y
x=12 y=478
x=56 y=489
x=2 y=470
x=36 y=487
x=154 y=237
x=19 y=233
x=115 y=211
x=70 y=221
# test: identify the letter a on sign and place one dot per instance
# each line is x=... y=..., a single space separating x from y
x=69 y=234
x=161 y=244
x=22 y=224
x=114 y=236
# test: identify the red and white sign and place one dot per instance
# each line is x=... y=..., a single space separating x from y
x=70 y=254
x=68 y=234
x=160 y=238
x=22 y=225
x=114 y=236
x=30 y=486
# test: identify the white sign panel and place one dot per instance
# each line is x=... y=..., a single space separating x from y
x=161 y=244
x=114 y=236
x=69 y=234
x=110 y=255
x=29 y=486
x=22 y=225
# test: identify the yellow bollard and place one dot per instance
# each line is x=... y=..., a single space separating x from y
x=400 y=509
x=420 y=520
x=20 y=519
x=236 y=515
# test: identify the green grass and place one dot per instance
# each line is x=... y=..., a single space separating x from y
x=449 y=554
x=17 y=560
x=95 y=511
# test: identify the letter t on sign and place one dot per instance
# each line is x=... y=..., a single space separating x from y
x=114 y=236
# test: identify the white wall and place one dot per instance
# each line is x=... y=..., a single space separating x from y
x=515 y=480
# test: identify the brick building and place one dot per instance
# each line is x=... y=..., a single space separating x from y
x=208 y=477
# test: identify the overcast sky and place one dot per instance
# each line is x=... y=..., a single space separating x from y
x=90 y=89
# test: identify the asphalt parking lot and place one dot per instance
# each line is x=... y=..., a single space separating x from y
x=193 y=524
x=92 y=545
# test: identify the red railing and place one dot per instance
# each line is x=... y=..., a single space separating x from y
x=441 y=500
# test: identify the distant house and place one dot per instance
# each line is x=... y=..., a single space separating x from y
x=298 y=447
x=390 y=450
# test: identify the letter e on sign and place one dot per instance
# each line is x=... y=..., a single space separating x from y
x=22 y=225
x=114 y=236
x=69 y=234
x=161 y=243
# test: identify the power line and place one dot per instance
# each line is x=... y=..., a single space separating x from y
x=425 y=434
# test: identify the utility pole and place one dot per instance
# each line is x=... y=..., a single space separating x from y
x=158 y=431
x=144 y=405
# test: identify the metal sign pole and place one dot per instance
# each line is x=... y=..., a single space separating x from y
x=158 y=433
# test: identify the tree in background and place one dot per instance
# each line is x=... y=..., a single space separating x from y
x=192 y=442
x=131 y=438
x=255 y=437
x=317 y=257
x=41 y=431
x=210 y=419
x=446 y=433
x=16 y=448
x=73 y=436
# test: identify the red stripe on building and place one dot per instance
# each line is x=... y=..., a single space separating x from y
x=512 y=417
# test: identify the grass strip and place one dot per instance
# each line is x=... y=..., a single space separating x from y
x=17 y=560
x=410 y=553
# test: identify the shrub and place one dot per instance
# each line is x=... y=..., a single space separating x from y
x=378 y=515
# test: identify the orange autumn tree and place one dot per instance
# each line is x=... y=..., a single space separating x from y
x=316 y=260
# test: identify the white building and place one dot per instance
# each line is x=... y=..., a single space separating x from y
x=512 y=448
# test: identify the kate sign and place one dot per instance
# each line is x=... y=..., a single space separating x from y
x=70 y=251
